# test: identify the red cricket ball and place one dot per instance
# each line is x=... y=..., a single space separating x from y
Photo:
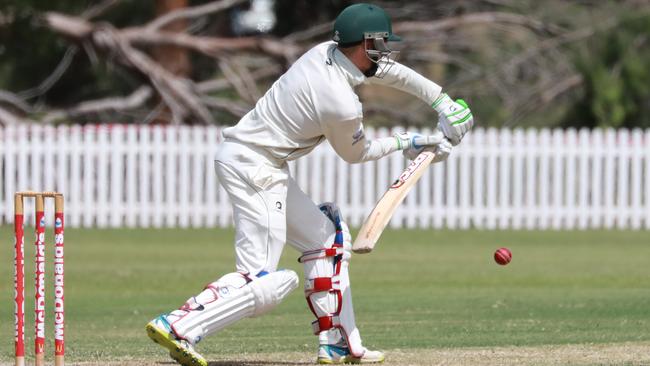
x=503 y=256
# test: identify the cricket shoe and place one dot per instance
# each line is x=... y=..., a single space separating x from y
x=182 y=351
x=329 y=354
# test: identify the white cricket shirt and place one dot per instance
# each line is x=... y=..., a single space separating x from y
x=315 y=100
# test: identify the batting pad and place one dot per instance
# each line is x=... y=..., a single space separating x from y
x=327 y=285
x=229 y=299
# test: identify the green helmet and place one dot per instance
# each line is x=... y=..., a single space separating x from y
x=362 y=21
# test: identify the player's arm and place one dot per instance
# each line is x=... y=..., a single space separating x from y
x=350 y=143
x=456 y=118
x=404 y=78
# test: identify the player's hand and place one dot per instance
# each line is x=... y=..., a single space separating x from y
x=412 y=144
x=455 y=117
x=442 y=151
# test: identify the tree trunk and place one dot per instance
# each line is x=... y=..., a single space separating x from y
x=174 y=59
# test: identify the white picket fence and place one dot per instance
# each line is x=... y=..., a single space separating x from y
x=140 y=176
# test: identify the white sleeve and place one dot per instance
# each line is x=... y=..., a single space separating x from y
x=407 y=80
x=348 y=140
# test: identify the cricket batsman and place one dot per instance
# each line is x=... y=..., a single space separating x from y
x=313 y=101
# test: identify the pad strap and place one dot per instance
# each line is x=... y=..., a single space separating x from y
x=320 y=284
x=335 y=250
x=325 y=323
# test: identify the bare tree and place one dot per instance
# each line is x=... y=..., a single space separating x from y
x=478 y=49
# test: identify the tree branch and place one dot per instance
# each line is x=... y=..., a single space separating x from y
x=555 y=42
x=135 y=100
x=15 y=101
x=9 y=119
x=310 y=33
x=192 y=12
x=55 y=76
x=476 y=18
x=235 y=80
x=222 y=84
x=210 y=46
x=231 y=106
x=99 y=9
x=69 y=26
x=548 y=95
x=78 y=29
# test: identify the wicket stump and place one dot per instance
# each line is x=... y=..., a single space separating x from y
x=39 y=278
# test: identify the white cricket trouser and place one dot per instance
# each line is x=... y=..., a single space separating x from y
x=269 y=208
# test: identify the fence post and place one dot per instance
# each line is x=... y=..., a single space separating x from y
x=569 y=197
x=518 y=161
x=8 y=139
x=492 y=153
x=597 y=218
x=450 y=185
x=103 y=166
x=646 y=194
x=132 y=153
x=610 y=182
x=636 y=177
x=585 y=152
x=623 y=180
x=504 y=208
x=117 y=151
x=75 y=193
x=479 y=208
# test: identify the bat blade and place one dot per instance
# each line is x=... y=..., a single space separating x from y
x=385 y=208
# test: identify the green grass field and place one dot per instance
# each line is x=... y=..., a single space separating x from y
x=433 y=294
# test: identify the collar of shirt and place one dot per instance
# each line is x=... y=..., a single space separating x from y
x=351 y=71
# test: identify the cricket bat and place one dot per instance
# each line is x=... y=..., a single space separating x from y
x=388 y=203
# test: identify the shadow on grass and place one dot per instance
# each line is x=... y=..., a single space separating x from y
x=253 y=363
x=244 y=363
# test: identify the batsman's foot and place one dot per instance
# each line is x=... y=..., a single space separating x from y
x=180 y=350
x=331 y=354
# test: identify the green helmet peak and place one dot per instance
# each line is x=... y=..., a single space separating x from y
x=362 y=21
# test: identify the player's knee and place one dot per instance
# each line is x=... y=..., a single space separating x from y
x=230 y=280
x=270 y=289
x=342 y=236
x=332 y=211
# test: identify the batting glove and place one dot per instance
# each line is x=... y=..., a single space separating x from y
x=412 y=144
x=455 y=118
